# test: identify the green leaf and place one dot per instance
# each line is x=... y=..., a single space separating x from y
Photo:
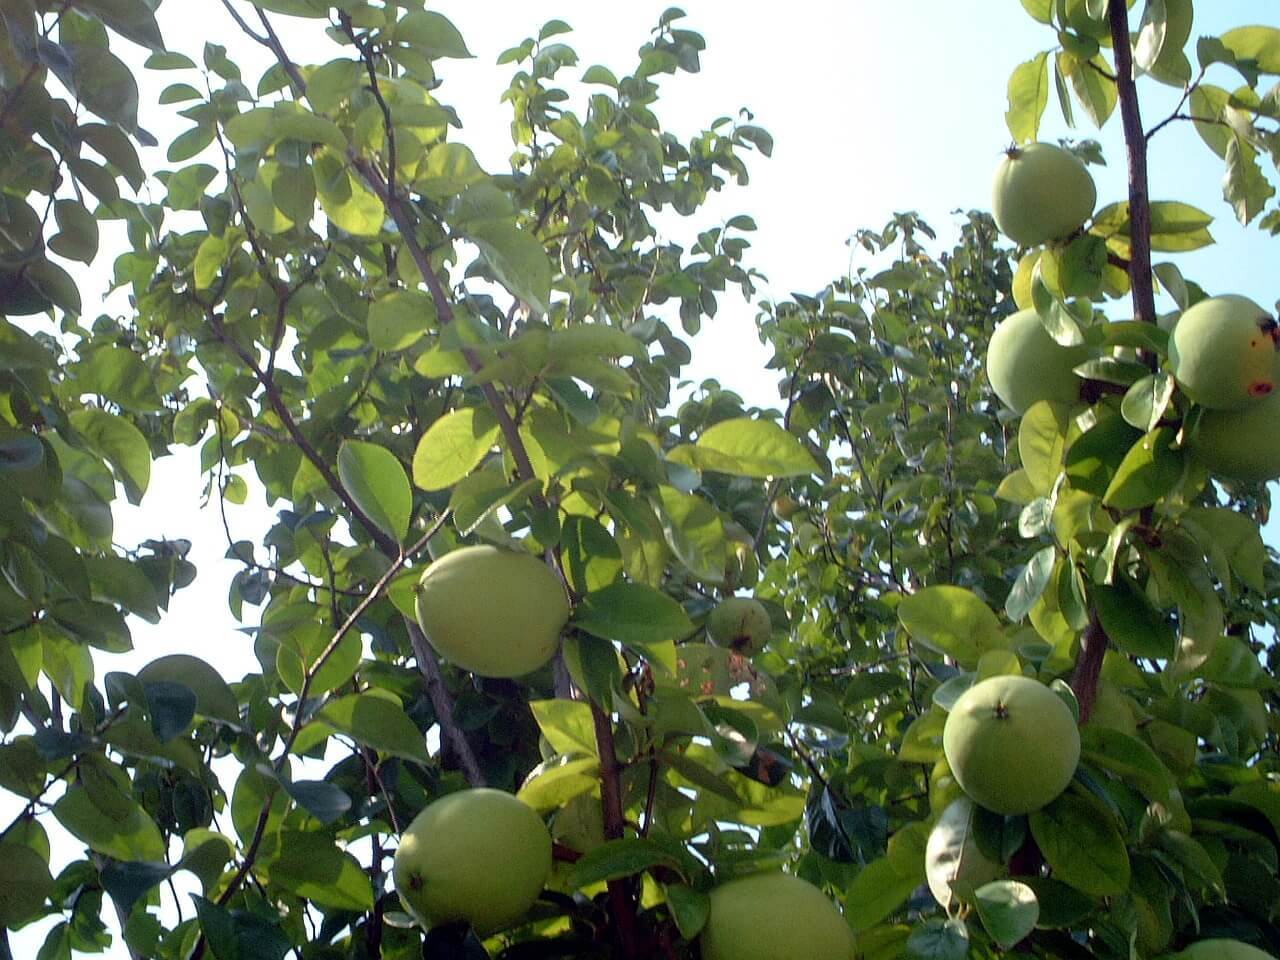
x=754 y=448
x=121 y=444
x=399 y=319
x=214 y=698
x=1009 y=911
x=453 y=446
x=939 y=939
x=378 y=484
x=1232 y=541
x=1054 y=316
x=554 y=783
x=186 y=187
x=171 y=706
x=694 y=532
x=1149 y=470
x=347 y=202
x=689 y=908
x=1134 y=762
x=237 y=934
x=633 y=614
x=1245 y=187
x=1255 y=43
x=567 y=725
x=128 y=882
x=125 y=834
x=1095 y=93
x=1083 y=845
x=1177 y=227
x=1030 y=583
x=77 y=237
x=1028 y=96
x=1146 y=401
x=517 y=259
x=376 y=722
x=1135 y=626
x=1042 y=442
x=25 y=884
x=132 y=19
x=951 y=621
x=431 y=34
x=617 y=859
x=883 y=885
x=311 y=867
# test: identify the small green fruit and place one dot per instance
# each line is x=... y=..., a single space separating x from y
x=1041 y=193
x=774 y=916
x=1012 y=744
x=1025 y=364
x=494 y=612
x=1222 y=950
x=741 y=624
x=1241 y=445
x=1225 y=353
x=954 y=866
x=477 y=856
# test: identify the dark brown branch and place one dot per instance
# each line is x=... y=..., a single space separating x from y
x=1144 y=300
x=442 y=704
x=1084 y=679
x=622 y=903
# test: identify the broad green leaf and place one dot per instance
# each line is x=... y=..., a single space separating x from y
x=475 y=498
x=1146 y=401
x=1083 y=845
x=238 y=934
x=1054 y=316
x=1232 y=541
x=951 y=621
x=1177 y=227
x=1149 y=470
x=567 y=725
x=309 y=865
x=938 y=939
x=375 y=722
x=431 y=34
x=1133 y=625
x=77 y=237
x=132 y=19
x=620 y=858
x=205 y=853
x=695 y=533
x=378 y=484
x=121 y=444
x=449 y=170
x=1255 y=43
x=592 y=558
x=883 y=885
x=1245 y=187
x=1042 y=441
x=1135 y=763
x=120 y=375
x=126 y=883
x=125 y=834
x=346 y=201
x=25 y=884
x=171 y=707
x=1094 y=92
x=1028 y=96
x=553 y=784
x=214 y=698
x=689 y=908
x=1233 y=664
x=754 y=448
x=453 y=446
x=1030 y=583
x=633 y=614
x=517 y=259
x=1009 y=911
x=399 y=319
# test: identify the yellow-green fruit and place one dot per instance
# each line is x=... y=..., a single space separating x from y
x=580 y=824
x=1012 y=744
x=1223 y=950
x=1041 y=193
x=1224 y=353
x=954 y=866
x=477 y=856
x=774 y=916
x=1240 y=445
x=494 y=612
x=1025 y=364
x=741 y=624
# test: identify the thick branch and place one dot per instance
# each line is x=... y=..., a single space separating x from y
x=1084 y=680
x=621 y=902
x=1144 y=301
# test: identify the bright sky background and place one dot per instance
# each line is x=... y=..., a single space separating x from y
x=874 y=107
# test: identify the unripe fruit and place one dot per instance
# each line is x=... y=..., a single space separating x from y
x=1041 y=192
x=1012 y=744
x=741 y=624
x=1222 y=950
x=477 y=856
x=1241 y=445
x=1026 y=365
x=771 y=916
x=954 y=866
x=1225 y=354
x=494 y=612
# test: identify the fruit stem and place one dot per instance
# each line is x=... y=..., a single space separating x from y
x=1144 y=300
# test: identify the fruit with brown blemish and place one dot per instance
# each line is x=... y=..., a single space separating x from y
x=1225 y=353
x=740 y=623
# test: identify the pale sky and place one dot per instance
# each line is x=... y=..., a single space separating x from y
x=874 y=107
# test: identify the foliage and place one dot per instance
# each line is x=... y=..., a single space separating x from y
x=336 y=304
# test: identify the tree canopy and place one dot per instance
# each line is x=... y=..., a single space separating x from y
x=407 y=354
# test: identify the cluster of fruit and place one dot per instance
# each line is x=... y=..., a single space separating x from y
x=482 y=857
x=1224 y=352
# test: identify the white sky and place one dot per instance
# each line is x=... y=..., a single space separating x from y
x=874 y=107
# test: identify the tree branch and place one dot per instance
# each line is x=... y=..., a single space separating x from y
x=442 y=703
